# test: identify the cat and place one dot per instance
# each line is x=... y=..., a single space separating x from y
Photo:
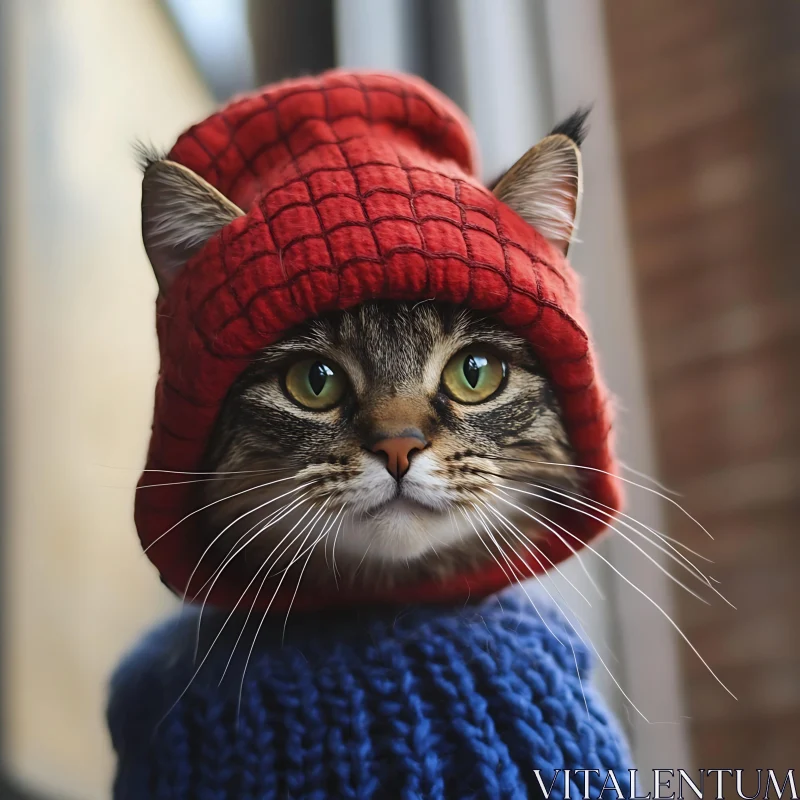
x=396 y=412
x=367 y=446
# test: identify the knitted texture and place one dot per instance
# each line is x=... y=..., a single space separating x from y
x=425 y=703
x=356 y=187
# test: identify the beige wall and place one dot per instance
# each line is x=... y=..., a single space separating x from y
x=86 y=78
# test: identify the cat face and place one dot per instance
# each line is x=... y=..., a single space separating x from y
x=369 y=445
x=391 y=423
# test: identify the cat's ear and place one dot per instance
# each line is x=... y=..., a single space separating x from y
x=544 y=187
x=180 y=212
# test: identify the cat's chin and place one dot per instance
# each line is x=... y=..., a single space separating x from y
x=404 y=505
x=401 y=530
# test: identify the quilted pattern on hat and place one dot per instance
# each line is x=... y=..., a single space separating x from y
x=356 y=187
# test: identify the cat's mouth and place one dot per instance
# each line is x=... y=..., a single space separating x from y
x=403 y=503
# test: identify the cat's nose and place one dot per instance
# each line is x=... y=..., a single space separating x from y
x=398 y=451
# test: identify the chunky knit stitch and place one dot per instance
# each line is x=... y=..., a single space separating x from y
x=425 y=702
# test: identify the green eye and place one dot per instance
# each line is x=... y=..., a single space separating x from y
x=473 y=375
x=315 y=384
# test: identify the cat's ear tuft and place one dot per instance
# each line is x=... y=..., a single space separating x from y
x=146 y=155
x=180 y=212
x=574 y=126
x=544 y=187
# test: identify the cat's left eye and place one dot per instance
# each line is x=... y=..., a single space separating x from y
x=316 y=384
x=473 y=375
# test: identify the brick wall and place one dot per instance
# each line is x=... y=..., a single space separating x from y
x=708 y=103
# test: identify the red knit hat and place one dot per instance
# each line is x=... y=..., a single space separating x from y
x=356 y=187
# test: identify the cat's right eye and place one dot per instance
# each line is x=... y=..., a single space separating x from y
x=473 y=375
x=316 y=384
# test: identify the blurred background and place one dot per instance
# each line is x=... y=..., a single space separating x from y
x=689 y=252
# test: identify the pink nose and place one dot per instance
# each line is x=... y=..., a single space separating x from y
x=398 y=450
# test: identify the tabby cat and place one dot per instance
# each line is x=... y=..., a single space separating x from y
x=367 y=445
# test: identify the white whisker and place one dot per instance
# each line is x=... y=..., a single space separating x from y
x=649 y=478
x=525 y=541
x=616 y=530
x=230 y=525
x=331 y=521
x=265 y=565
x=187 y=472
x=477 y=533
x=616 y=513
x=670 y=550
x=211 y=647
x=296 y=590
x=612 y=475
x=366 y=550
x=333 y=553
x=228 y=560
x=272 y=519
x=221 y=500
x=555 y=603
x=215 y=479
x=269 y=605
x=585 y=638
x=574 y=552
x=508 y=561
x=634 y=586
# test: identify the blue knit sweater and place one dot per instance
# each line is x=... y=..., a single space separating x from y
x=422 y=703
